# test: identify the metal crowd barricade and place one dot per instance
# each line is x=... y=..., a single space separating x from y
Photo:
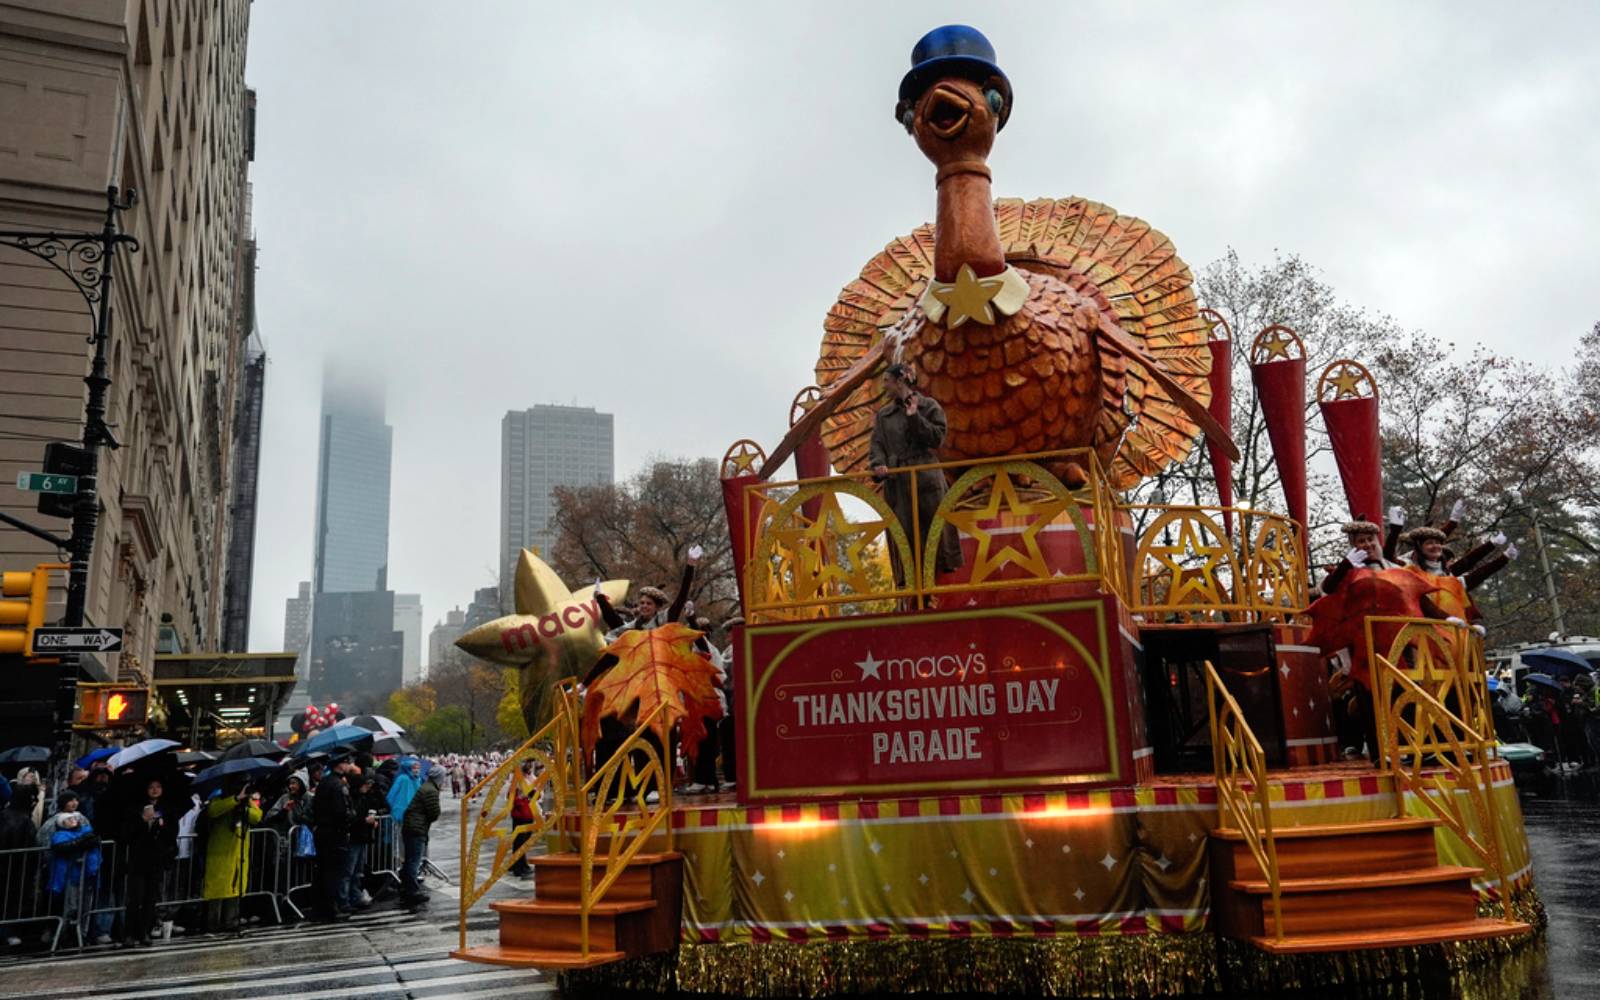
x=387 y=853
x=25 y=899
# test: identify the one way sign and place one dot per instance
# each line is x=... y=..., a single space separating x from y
x=74 y=640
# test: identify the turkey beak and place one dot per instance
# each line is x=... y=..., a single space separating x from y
x=946 y=112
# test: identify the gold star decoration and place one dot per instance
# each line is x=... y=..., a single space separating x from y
x=816 y=559
x=1275 y=345
x=741 y=458
x=1187 y=579
x=968 y=297
x=1029 y=557
x=555 y=632
x=1346 y=381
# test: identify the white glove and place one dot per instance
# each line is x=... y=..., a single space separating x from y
x=1511 y=551
x=1498 y=538
x=695 y=552
x=1457 y=509
x=1453 y=620
x=1397 y=515
x=1357 y=557
x=1480 y=630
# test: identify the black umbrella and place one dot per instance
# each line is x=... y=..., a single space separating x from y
x=376 y=723
x=391 y=743
x=253 y=748
x=186 y=757
x=239 y=767
x=25 y=755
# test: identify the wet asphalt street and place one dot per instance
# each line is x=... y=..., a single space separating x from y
x=387 y=953
x=1564 y=835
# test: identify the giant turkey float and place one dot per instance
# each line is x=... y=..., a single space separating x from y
x=1000 y=729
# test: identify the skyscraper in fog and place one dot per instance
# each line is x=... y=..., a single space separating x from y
x=540 y=449
x=408 y=622
x=357 y=654
x=352 y=544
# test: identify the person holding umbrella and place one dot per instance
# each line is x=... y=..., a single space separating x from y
x=230 y=816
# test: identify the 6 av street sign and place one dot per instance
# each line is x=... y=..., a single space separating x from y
x=44 y=482
x=75 y=640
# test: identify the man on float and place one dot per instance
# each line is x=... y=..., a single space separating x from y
x=908 y=431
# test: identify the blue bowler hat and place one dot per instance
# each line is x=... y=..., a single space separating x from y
x=953 y=50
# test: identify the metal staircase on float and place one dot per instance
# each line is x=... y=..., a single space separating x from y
x=1374 y=884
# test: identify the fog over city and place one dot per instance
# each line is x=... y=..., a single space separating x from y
x=648 y=209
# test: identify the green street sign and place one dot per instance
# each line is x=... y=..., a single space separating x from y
x=44 y=482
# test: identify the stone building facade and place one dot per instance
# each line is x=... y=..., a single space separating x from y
x=150 y=95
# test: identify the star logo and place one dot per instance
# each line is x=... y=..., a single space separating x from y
x=870 y=666
x=968 y=297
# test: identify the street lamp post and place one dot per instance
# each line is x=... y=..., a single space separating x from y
x=87 y=259
x=1544 y=563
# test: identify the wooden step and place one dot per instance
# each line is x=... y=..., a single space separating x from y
x=556 y=876
x=1344 y=883
x=561 y=907
x=1372 y=847
x=1392 y=937
x=1371 y=908
x=534 y=958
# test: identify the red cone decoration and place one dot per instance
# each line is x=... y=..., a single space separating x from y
x=1278 y=370
x=1221 y=346
x=1347 y=395
x=811 y=457
x=740 y=466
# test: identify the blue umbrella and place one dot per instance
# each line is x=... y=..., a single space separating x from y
x=1556 y=662
x=1541 y=679
x=25 y=755
x=242 y=767
x=95 y=756
x=341 y=736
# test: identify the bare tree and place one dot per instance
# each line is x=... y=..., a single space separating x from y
x=642 y=530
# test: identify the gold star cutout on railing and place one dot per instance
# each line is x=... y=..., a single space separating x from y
x=1199 y=581
x=817 y=561
x=1029 y=557
x=741 y=458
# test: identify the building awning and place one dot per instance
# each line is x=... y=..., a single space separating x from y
x=212 y=699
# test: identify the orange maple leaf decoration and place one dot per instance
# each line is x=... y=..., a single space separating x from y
x=655 y=666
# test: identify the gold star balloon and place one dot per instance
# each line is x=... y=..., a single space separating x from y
x=555 y=633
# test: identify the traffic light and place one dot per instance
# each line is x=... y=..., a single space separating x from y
x=112 y=706
x=63 y=459
x=18 y=619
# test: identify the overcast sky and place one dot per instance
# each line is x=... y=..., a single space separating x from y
x=648 y=209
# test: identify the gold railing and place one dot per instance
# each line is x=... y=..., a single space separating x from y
x=833 y=546
x=806 y=557
x=1190 y=570
x=581 y=810
x=556 y=752
x=1418 y=731
x=1442 y=658
x=620 y=781
x=1237 y=757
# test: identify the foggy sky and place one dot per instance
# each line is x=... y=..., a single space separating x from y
x=648 y=209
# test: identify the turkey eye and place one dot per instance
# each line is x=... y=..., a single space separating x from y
x=996 y=101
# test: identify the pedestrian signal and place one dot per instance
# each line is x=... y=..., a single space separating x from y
x=112 y=706
x=18 y=619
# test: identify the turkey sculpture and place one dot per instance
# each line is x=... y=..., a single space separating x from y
x=1039 y=326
